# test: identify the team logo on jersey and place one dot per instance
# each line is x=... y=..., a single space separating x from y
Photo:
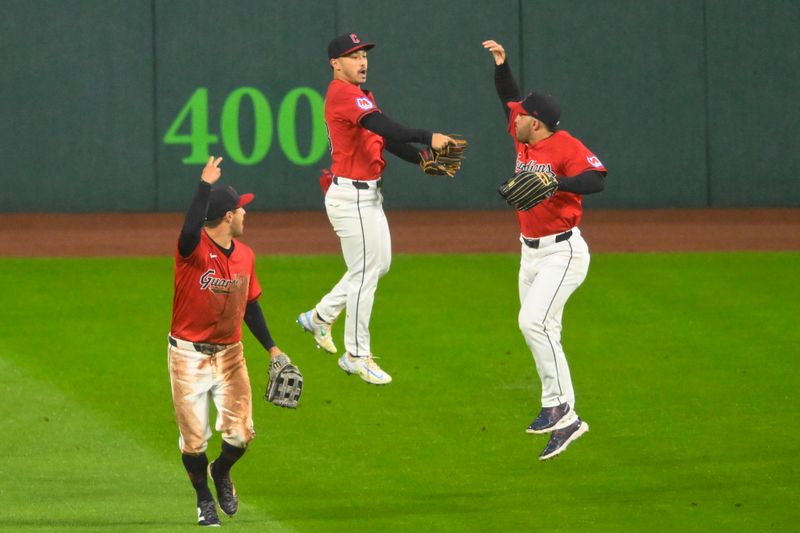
x=594 y=161
x=218 y=285
x=533 y=166
x=364 y=103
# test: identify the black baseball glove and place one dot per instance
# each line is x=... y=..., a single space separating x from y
x=285 y=382
x=525 y=190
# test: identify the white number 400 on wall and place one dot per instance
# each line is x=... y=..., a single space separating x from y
x=195 y=111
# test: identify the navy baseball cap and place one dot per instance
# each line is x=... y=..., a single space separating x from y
x=347 y=43
x=223 y=199
x=541 y=106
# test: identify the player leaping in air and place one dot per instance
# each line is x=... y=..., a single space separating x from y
x=555 y=258
x=359 y=132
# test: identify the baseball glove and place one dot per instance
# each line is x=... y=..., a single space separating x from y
x=285 y=382
x=444 y=162
x=525 y=190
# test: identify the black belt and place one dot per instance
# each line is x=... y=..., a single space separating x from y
x=202 y=347
x=360 y=184
x=534 y=243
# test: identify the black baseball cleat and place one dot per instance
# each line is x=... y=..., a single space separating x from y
x=552 y=418
x=561 y=438
x=226 y=492
x=207 y=514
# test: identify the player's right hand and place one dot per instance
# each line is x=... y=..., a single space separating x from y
x=440 y=140
x=497 y=51
x=211 y=172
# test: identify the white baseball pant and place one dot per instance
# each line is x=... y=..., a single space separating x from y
x=355 y=210
x=548 y=276
x=196 y=378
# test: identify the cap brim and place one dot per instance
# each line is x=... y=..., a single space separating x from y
x=517 y=106
x=356 y=48
x=245 y=199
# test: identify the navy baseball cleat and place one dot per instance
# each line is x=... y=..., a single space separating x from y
x=561 y=438
x=552 y=418
x=226 y=492
x=207 y=513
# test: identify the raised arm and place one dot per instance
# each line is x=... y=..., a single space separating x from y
x=504 y=82
x=196 y=214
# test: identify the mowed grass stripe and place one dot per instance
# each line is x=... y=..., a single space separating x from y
x=685 y=367
x=66 y=468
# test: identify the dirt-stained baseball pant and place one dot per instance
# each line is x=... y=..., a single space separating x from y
x=197 y=378
x=355 y=210
x=548 y=276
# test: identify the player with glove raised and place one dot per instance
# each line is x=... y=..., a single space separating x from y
x=216 y=288
x=552 y=171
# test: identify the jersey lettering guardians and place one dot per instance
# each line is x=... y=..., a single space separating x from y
x=561 y=155
x=212 y=291
x=356 y=152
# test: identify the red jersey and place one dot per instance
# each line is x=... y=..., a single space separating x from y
x=212 y=291
x=357 y=153
x=561 y=155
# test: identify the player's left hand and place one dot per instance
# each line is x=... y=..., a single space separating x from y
x=285 y=383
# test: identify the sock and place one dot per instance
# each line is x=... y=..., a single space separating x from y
x=196 y=468
x=229 y=455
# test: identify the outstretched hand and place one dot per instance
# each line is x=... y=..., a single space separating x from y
x=497 y=50
x=444 y=162
x=211 y=172
x=440 y=140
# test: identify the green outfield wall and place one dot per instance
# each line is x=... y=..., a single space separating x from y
x=113 y=105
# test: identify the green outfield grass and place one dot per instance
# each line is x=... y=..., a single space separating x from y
x=685 y=366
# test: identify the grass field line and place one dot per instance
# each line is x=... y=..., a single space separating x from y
x=63 y=469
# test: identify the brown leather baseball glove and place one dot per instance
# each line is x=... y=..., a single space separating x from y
x=444 y=162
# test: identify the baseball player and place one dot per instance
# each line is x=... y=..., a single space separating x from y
x=215 y=289
x=358 y=133
x=555 y=258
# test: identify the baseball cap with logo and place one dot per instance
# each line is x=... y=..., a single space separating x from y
x=541 y=106
x=223 y=199
x=347 y=43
